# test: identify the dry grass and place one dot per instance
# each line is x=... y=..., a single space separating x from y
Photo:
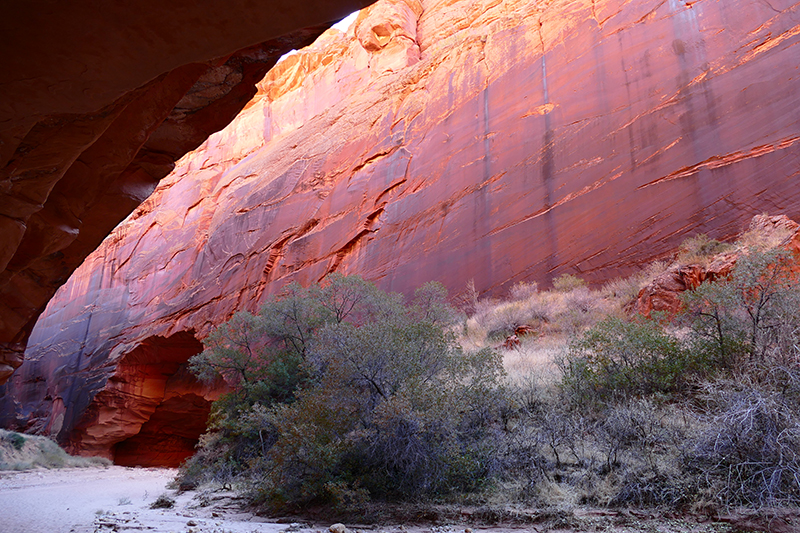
x=549 y=313
x=535 y=357
x=626 y=290
x=554 y=316
x=763 y=235
x=700 y=249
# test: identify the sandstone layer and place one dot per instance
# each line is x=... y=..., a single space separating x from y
x=97 y=102
x=454 y=140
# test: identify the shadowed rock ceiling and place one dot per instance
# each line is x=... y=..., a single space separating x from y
x=97 y=102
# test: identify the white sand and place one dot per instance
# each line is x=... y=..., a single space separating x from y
x=107 y=499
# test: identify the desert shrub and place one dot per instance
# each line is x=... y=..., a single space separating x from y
x=163 y=502
x=638 y=489
x=627 y=453
x=468 y=299
x=262 y=372
x=635 y=427
x=16 y=440
x=542 y=439
x=265 y=359
x=430 y=305
x=523 y=290
x=373 y=397
x=567 y=282
x=752 y=316
x=623 y=289
x=749 y=453
x=498 y=321
x=581 y=309
x=621 y=358
x=538 y=310
x=744 y=451
x=559 y=431
x=748 y=324
x=219 y=459
x=502 y=320
x=397 y=410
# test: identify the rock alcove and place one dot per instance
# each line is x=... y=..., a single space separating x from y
x=152 y=410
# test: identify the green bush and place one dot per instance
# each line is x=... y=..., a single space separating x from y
x=265 y=358
x=620 y=358
x=16 y=440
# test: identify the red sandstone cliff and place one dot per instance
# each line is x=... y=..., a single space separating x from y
x=97 y=102
x=449 y=140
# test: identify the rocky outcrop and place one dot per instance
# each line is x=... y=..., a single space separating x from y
x=467 y=140
x=663 y=294
x=96 y=105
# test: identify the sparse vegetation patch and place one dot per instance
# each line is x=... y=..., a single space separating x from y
x=24 y=452
x=163 y=502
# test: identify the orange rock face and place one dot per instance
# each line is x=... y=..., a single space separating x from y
x=664 y=293
x=96 y=105
x=447 y=140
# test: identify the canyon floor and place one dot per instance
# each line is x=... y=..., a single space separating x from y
x=118 y=499
x=113 y=498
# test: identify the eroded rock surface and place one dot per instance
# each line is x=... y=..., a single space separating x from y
x=664 y=293
x=97 y=102
x=484 y=140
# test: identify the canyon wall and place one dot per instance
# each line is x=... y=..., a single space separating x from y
x=97 y=102
x=450 y=140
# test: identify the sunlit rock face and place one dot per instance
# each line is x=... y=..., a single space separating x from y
x=97 y=102
x=441 y=140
